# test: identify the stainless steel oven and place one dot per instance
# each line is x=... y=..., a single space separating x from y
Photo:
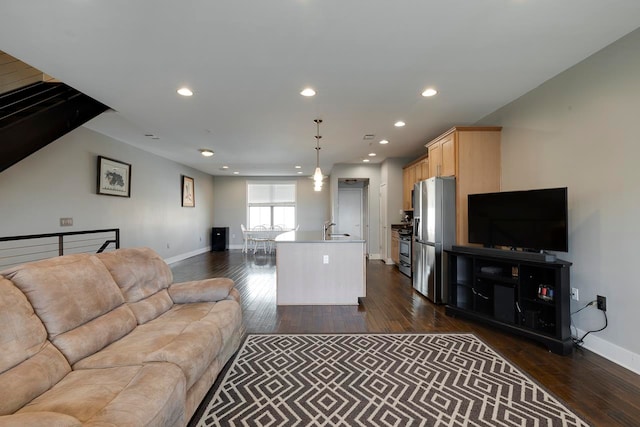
x=405 y=254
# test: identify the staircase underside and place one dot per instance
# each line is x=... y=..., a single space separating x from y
x=36 y=115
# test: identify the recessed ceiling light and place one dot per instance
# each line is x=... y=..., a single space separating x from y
x=384 y=141
x=185 y=91
x=225 y=167
x=298 y=167
x=372 y=154
x=308 y=92
x=205 y=152
x=399 y=124
x=365 y=160
x=236 y=173
x=429 y=92
x=300 y=172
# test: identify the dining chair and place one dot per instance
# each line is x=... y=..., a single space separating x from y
x=275 y=231
x=245 y=239
x=261 y=239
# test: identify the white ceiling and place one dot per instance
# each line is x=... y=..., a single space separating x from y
x=247 y=61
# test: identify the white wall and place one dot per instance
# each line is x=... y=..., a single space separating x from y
x=580 y=130
x=230 y=204
x=60 y=181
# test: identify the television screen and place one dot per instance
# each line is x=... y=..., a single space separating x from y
x=532 y=219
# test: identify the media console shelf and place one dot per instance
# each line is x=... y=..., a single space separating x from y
x=527 y=297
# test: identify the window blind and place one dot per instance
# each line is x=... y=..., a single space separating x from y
x=274 y=193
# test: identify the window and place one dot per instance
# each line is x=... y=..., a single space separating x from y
x=271 y=204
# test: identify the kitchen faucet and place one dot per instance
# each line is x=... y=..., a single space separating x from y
x=325 y=227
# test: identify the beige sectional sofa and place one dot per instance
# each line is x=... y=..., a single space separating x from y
x=109 y=340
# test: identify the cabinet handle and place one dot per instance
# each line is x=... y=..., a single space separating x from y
x=479 y=294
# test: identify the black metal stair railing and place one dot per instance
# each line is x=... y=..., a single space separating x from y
x=16 y=250
x=35 y=115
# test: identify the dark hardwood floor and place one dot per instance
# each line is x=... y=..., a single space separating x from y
x=603 y=393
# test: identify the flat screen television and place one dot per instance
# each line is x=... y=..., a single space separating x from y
x=534 y=220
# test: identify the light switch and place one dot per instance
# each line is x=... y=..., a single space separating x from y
x=66 y=222
x=325 y=259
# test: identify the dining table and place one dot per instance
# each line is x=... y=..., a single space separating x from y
x=264 y=237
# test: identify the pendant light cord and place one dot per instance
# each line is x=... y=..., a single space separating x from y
x=318 y=121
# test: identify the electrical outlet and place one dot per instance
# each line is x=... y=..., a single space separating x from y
x=602 y=302
x=574 y=294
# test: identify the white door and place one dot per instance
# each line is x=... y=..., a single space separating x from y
x=350 y=212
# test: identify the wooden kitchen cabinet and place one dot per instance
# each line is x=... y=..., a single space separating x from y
x=442 y=157
x=425 y=168
x=406 y=190
x=435 y=159
x=412 y=173
x=472 y=155
x=395 y=246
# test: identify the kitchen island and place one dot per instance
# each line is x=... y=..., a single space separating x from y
x=311 y=270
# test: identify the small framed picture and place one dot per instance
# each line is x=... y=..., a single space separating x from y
x=188 y=192
x=114 y=177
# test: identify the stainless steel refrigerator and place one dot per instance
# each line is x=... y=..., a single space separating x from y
x=434 y=231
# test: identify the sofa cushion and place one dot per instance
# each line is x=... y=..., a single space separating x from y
x=29 y=364
x=70 y=294
x=146 y=395
x=39 y=419
x=225 y=315
x=139 y=272
x=96 y=334
x=28 y=380
x=143 y=277
x=187 y=335
x=21 y=332
x=151 y=307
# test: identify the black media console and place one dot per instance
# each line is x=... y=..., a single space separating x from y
x=526 y=296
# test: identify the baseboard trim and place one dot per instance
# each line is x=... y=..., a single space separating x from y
x=181 y=257
x=618 y=355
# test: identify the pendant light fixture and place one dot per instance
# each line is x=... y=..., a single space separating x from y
x=317 y=175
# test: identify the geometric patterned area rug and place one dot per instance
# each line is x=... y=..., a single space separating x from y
x=378 y=380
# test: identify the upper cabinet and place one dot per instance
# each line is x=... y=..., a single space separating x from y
x=442 y=157
x=472 y=155
x=412 y=173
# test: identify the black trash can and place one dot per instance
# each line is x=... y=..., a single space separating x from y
x=219 y=238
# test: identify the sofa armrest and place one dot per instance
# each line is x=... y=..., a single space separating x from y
x=215 y=289
x=234 y=295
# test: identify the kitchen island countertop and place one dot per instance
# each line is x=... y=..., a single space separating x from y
x=314 y=237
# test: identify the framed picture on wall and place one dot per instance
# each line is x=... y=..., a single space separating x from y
x=188 y=192
x=114 y=177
